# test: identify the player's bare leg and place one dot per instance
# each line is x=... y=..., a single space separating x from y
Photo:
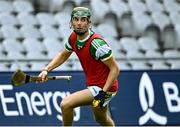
x=83 y=97
x=102 y=116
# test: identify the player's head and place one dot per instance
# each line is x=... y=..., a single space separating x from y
x=80 y=20
x=81 y=12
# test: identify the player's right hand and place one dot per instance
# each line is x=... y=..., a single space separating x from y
x=43 y=75
x=99 y=99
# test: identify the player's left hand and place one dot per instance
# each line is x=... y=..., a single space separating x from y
x=43 y=75
x=99 y=99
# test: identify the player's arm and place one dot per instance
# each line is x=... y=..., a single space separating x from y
x=59 y=59
x=99 y=99
x=100 y=50
x=113 y=74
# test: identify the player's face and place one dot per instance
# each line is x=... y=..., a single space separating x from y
x=80 y=25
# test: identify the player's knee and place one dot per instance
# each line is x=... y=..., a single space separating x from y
x=65 y=104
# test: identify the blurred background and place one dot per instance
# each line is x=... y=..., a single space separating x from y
x=144 y=34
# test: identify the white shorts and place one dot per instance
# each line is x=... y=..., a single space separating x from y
x=95 y=90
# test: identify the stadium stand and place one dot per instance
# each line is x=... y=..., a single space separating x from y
x=144 y=34
x=118 y=7
x=30 y=32
x=23 y=65
x=4 y=66
x=56 y=46
x=141 y=21
x=27 y=19
x=6 y=6
x=8 y=19
x=136 y=65
x=22 y=6
x=10 y=32
x=45 y=19
x=13 y=45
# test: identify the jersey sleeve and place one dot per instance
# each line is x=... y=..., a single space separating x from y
x=68 y=46
x=100 y=50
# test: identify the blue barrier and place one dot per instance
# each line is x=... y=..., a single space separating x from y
x=147 y=98
x=144 y=98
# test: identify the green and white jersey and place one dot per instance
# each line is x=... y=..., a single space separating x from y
x=98 y=48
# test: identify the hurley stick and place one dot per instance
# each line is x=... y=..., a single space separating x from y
x=20 y=78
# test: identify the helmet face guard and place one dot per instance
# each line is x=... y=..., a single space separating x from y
x=81 y=12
